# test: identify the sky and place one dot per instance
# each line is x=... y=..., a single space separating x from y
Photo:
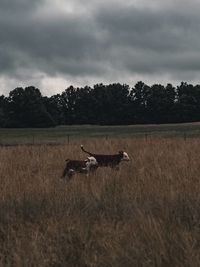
x=52 y=44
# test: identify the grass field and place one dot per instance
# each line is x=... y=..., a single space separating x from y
x=66 y=134
x=145 y=214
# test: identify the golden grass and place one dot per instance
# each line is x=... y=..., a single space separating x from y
x=145 y=214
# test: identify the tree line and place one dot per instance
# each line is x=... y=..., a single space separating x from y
x=113 y=104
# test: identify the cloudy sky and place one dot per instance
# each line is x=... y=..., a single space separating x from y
x=52 y=44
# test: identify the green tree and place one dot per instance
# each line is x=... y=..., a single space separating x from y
x=160 y=103
x=110 y=103
x=188 y=103
x=68 y=103
x=53 y=106
x=4 y=120
x=26 y=109
x=139 y=94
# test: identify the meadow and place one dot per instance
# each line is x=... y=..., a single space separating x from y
x=145 y=214
x=66 y=134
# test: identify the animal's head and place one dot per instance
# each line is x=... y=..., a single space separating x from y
x=91 y=161
x=124 y=156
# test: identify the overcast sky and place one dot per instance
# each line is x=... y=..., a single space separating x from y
x=52 y=44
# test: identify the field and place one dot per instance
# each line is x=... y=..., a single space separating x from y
x=145 y=214
x=66 y=134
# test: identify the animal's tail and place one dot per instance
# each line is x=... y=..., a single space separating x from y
x=89 y=153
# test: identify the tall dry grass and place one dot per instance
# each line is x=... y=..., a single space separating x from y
x=145 y=214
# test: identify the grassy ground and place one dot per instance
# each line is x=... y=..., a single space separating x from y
x=145 y=214
x=65 y=134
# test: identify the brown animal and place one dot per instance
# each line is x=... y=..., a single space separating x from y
x=108 y=160
x=79 y=166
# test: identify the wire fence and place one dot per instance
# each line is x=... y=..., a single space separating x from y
x=34 y=139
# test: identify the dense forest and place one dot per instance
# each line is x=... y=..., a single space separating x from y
x=113 y=104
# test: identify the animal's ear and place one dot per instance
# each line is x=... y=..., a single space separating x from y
x=121 y=152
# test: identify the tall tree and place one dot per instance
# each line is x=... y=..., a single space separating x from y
x=84 y=107
x=110 y=103
x=188 y=103
x=4 y=120
x=53 y=105
x=139 y=95
x=160 y=103
x=68 y=103
x=26 y=108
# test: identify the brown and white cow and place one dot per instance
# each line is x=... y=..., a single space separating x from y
x=79 y=166
x=109 y=160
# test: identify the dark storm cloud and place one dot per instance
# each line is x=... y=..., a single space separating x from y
x=149 y=40
x=100 y=40
x=16 y=6
x=59 y=44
